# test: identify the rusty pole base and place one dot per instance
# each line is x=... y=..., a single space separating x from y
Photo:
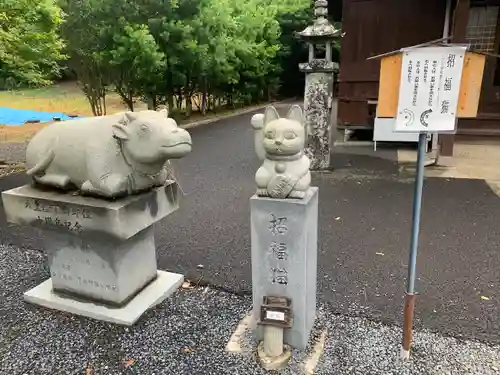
x=408 y=325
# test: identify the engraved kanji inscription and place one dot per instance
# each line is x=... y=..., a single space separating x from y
x=279 y=276
x=279 y=250
x=277 y=225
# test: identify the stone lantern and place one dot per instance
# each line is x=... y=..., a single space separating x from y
x=320 y=72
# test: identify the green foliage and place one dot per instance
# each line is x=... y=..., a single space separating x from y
x=135 y=63
x=186 y=52
x=30 y=47
x=293 y=51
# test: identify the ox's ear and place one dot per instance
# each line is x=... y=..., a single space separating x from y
x=164 y=112
x=129 y=117
x=120 y=130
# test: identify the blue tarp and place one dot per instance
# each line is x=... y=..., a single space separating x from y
x=16 y=117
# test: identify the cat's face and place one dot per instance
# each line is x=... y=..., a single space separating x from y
x=284 y=137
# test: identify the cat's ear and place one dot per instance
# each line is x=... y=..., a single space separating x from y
x=270 y=114
x=295 y=114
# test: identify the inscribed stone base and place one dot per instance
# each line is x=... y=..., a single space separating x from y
x=154 y=293
x=318 y=99
x=284 y=259
x=93 y=217
x=98 y=249
x=110 y=271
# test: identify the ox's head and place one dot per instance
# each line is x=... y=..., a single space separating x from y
x=152 y=137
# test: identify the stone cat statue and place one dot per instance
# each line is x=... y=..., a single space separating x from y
x=279 y=143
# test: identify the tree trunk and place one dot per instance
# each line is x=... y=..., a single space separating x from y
x=151 y=103
x=196 y=101
x=131 y=100
x=204 y=102
x=103 y=98
x=189 y=106
x=170 y=102
x=179 y=98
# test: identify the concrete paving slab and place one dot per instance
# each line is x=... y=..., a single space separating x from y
x=470 y=161
x=158 y=290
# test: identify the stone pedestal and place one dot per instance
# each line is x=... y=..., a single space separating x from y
x=320 y=70
x=318 y=99
x=101 y=253
x=284 y=259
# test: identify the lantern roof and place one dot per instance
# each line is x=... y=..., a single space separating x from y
x=321 y=29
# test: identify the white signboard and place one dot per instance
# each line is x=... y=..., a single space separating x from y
x=429 y=89
x=275 y=315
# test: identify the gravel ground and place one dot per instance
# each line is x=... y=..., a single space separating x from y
x=13 y=152
x=12 y=156
x=357 y=346
x=188 y=333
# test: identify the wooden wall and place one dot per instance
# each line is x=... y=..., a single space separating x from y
x=373 y=27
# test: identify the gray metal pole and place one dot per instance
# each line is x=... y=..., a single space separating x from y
x=412 y=262
x=417 y=206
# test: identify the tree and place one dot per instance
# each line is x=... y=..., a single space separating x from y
x=135 y=63
x=30 y=47
x=83 y=34
x=241 y=39
x=294 y=51
x=183 y=52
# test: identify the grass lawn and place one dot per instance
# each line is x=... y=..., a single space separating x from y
x=63 y=97
x=69 y=99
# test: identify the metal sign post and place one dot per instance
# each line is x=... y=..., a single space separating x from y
x=427 y=103
x=427 y=87
x=412 y=262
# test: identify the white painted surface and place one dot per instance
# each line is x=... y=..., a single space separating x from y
x=275 y=315
x=237 y=340
x=162 y=287
x=429 y=89
x=404 y=354
x=314 y=356
x=383 y=131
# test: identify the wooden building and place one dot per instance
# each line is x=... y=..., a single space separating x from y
x=374 y=27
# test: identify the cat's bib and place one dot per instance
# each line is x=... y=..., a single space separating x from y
x=280 y=186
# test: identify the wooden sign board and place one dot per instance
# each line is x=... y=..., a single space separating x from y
x=470 y=86
x=429 y=89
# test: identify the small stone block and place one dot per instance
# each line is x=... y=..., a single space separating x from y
x=446 y=161
x=107 y=271
x=119 y=219
x=153 y=294
x=284 y=259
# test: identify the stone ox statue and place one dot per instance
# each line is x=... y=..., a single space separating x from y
x=279 y=143
x=107 y=156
